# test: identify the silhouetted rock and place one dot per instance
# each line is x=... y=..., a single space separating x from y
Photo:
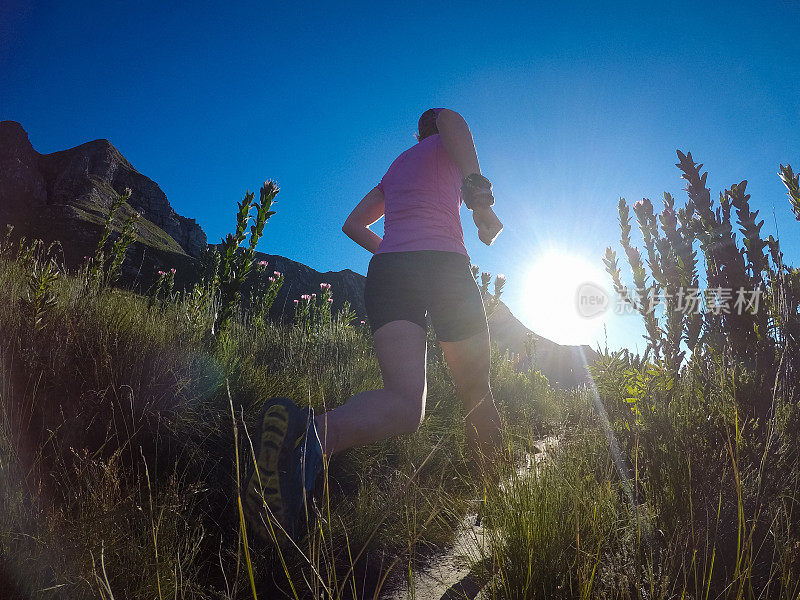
x=66 y=195
x=89 y=175
x=22 y=185
x=563 y=365
x=301 y=279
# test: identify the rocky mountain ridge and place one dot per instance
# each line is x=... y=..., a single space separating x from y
x=65 y=195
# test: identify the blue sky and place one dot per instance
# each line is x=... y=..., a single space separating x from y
x=571 y=108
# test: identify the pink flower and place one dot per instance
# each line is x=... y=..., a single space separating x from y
x=501 y=276
x=172 y=271
x=296 y=301
x=313 y=295
x=276 y=273
x=262 y=263
x=363 y=322
x=330 y=299
x=305 y=297
x=271 y=279
x=85 y=258
x=161 y=273
x=325 y=286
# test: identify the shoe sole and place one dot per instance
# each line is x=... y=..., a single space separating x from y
x=273 y=480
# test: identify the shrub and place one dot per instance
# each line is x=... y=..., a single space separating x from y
x=759 y=331
x=236 y=264
x=104 y=266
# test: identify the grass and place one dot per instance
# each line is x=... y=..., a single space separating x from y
x=124 y=437
x=133 y=454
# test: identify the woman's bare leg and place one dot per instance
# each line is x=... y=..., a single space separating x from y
x=468 y=361
x=397 y=408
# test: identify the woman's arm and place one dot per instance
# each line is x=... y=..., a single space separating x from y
x=457 y=140
x=369 y=210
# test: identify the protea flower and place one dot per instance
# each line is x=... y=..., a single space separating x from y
x=643 y=205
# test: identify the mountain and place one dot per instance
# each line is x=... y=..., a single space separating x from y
x=64 y=196
x=563 y=365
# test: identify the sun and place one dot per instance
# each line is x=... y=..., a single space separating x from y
x=564 y=298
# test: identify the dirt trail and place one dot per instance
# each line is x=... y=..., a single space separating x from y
x=447 y=576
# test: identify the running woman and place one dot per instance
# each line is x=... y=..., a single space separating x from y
x=420 y=267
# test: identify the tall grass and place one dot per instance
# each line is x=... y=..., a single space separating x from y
x=125 y=433
x=118 y=444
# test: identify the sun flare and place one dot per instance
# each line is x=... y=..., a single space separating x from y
x=554 y=287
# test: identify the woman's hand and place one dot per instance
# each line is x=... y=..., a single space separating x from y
x=489 y=226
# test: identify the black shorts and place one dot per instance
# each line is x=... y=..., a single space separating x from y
x=408 y=285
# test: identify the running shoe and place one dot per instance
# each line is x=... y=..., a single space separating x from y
x=288 y=458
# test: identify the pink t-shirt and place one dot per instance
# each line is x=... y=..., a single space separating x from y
x=422 y=191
